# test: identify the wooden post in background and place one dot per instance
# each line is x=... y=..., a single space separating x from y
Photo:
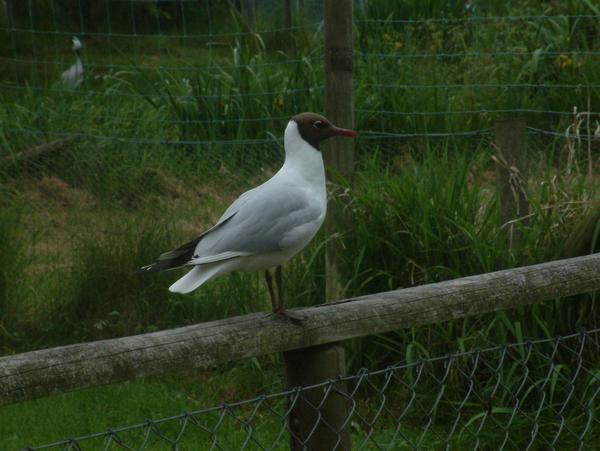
x=249 y=10
x=328 y=427
x=338 y=152
x=10 y=20
x=287 y=13
x=511 y=174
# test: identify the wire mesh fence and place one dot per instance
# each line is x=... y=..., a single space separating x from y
x=203 y=77
x=537 y=394
x=197 y=75
x=476 y=62
x=208 y=86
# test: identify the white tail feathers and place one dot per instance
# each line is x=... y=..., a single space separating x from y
x=196 y=277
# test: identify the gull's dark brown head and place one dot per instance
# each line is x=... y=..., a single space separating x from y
x=315 y=128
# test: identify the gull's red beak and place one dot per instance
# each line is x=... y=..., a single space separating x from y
x=345 y=132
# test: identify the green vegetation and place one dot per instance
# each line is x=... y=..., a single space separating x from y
x=76 y=221
x=87 y=412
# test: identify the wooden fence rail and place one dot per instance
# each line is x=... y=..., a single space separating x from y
x=57 y=370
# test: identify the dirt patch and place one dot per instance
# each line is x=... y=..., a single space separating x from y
x=56 y=190
x=155 y=181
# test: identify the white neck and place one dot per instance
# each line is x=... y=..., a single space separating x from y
x=302 y=158
x=296 y=148
x=77 y=55
x=303 y=168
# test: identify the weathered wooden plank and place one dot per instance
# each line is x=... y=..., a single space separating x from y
x=40 y=373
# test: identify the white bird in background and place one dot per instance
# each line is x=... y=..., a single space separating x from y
x=73 y=76
x=267 y=225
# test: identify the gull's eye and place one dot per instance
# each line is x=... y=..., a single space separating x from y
x=317 y=124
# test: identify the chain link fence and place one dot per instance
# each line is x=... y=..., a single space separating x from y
x=538 y=394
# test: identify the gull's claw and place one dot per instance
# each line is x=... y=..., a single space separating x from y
x=287 y=314
x=291 y=315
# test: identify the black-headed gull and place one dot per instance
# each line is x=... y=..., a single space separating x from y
x=73 y=76
x=267 y=225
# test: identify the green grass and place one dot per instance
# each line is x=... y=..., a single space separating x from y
x=100 y=408
x=12 y=264
x=436 y=217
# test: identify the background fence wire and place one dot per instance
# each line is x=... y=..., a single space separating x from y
x=540 y=394
x=220 y=80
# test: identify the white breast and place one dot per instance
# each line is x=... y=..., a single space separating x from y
x=304 y=168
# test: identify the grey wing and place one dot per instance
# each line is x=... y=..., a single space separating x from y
x=180 y=256
x=237 y=204
x=265 y=221
x=185 y=254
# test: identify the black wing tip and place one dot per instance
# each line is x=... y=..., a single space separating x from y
x=157 y=267
x=172 y=259
x=145 y=269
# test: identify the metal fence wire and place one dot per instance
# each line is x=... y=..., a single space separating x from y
x=197 y=77
x=539 y=394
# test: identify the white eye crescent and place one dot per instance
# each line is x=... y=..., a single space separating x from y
x=317 y=124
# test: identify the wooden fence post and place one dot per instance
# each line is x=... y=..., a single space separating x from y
x=319 y=419
x=511 y=173
x=338 y=153
x=287 y=13
x=10 y=19
x=315 y=422
x=249 y=10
